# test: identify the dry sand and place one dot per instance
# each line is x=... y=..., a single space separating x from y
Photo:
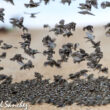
x=12 y=68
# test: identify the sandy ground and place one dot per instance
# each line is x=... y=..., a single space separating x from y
x=12 y=68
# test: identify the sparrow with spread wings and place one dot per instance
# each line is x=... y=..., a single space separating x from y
x=32 y=15
x=32 y=4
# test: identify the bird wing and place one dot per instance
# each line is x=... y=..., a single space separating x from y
x=36 y=13
x=90 y=36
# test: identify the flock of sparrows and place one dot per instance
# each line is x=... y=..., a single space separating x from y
x=67 y=50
